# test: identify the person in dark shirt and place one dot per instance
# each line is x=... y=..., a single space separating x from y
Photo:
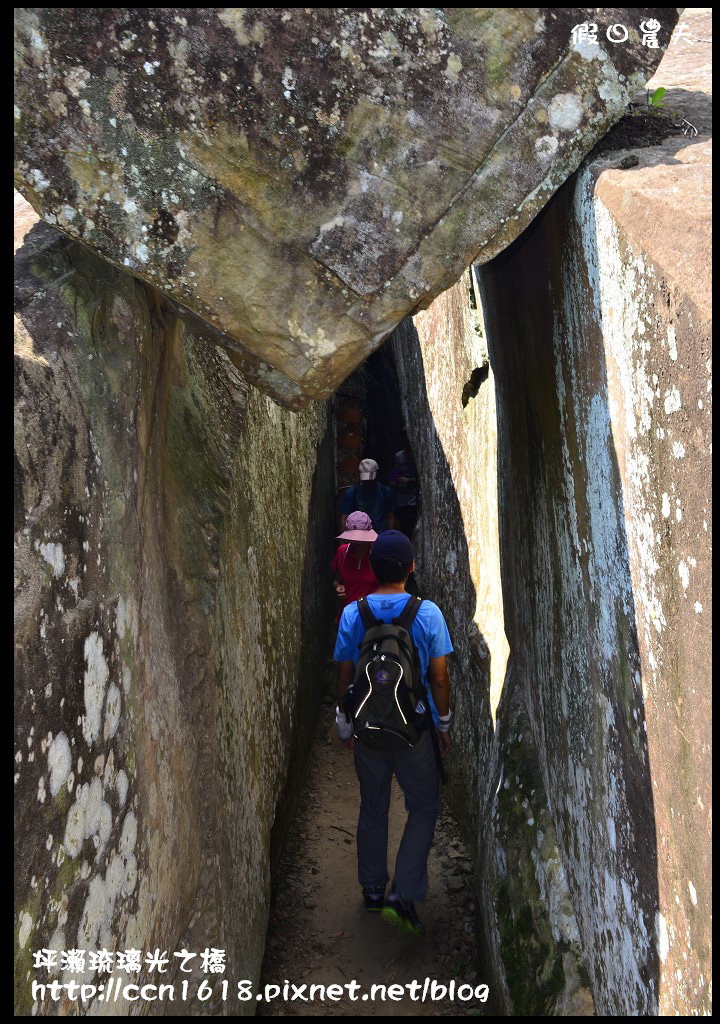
x=378 y=500
x=403 y=479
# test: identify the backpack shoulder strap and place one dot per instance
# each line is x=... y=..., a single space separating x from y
x=407 y=616
x=368 y=619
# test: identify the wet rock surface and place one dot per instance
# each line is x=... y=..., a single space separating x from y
x=302 y=178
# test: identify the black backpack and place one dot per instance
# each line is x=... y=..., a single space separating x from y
x=386 y=699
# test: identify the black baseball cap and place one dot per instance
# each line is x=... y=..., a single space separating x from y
x=392 y=546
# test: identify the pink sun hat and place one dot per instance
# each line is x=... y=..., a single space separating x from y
x=358 y=526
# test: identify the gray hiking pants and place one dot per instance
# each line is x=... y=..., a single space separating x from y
x=417 y=773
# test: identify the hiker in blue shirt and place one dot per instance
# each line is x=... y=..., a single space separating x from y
x=416 y=768
x=370 y=496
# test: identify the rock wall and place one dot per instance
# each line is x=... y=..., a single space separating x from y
x=351 y=161
x=584 y=768
x=448 y=402
x=528 y=936
x=165 y=662
x=602 y=366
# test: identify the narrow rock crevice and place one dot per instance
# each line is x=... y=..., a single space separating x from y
x=177 y=780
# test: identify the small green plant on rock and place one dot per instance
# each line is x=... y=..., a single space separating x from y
x=654 y=99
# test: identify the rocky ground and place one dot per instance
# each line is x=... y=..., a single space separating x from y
x=319 y=931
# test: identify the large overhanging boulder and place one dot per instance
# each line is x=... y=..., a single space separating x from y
x=302 y=178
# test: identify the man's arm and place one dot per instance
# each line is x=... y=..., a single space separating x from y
x=338 y=585
x=345 y=673
x=440 y=685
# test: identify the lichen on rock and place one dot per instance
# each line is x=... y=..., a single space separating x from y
x=302 y=178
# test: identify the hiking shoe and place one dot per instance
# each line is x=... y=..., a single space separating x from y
x=374 y=898
x=402 y=913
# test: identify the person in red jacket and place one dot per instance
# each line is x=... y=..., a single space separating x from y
x=353 y=576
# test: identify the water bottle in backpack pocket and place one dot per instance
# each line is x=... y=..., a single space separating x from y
x=386 y=700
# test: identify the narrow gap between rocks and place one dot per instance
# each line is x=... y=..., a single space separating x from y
x=319 y=932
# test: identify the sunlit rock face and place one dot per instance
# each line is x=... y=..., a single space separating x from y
x=598 y=324
x=301 y=179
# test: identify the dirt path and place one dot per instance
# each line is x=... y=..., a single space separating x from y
x=319 y=930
